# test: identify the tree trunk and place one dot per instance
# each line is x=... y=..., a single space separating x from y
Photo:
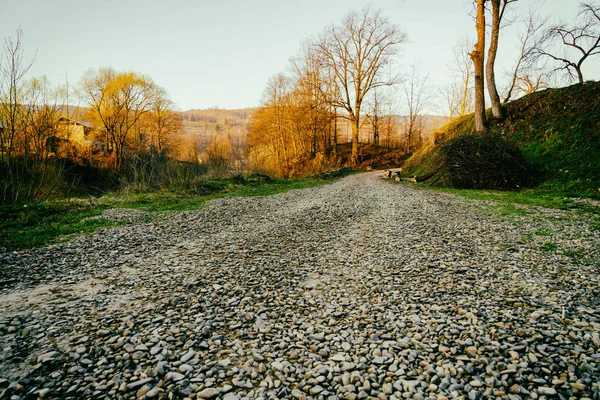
x=491 y=60
x=477 y=55
x=355 y=130
x=579 y=74
x=335 y=141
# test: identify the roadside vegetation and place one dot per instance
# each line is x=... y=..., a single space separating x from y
x=39 y=223
x=127 y=147
x=555 y=131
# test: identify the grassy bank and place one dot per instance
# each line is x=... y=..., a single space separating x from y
x=37 y=224
x=556 y=130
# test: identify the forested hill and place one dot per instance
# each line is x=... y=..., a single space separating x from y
x=557 y=130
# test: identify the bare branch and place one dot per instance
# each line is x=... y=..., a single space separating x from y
x=570 y=46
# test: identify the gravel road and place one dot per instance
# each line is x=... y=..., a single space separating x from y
x=359 y=289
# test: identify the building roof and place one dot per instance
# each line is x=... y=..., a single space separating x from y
x=78 y=122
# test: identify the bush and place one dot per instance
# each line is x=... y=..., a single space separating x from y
x=481 y=162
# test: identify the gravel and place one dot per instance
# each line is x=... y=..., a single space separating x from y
x=361 y=289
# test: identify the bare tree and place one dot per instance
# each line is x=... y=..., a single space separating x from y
x=417 y=97
x=450 y=96
x=526 y=69
x=477 y=55
x=577 y=43
x=376 y=118
x=162 y=123
x=12 y=111
x=530 y=83
x=357 y=52
x=463 y=71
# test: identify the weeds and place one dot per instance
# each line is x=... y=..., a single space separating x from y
x=549 y=246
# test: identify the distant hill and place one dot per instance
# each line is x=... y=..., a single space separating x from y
x=557 y=130
x=205 y=125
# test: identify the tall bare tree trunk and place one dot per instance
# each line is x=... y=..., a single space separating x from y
x=491 y=60
x=335 y=129
x=355 y=130
x=477 y=55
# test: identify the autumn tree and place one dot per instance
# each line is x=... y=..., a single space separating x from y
x=358 y=51
x=311 y=93
x=571 y=46
x=291 y=134
x=118 y=100
x=29 y=112
x=162 y=123
x=268 y=133
x=13 y=113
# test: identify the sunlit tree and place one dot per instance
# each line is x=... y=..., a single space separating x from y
x=478 y=57
x=118 y=100
x=359 y=51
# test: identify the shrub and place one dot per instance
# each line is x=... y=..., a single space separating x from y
x=481 y=162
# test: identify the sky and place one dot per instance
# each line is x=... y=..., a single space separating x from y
x=221 y=53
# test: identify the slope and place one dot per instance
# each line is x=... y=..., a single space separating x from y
x=557 y=130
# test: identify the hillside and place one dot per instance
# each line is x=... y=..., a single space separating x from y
x=557 y=130
x=216 y=121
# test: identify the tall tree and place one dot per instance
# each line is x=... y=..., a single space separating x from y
x=13 y=113
x=577 y=43
x=477 y=55
x=357 y=51
x=498 y=9
x=312 y=90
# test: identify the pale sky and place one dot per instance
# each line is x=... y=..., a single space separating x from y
x=222 y=52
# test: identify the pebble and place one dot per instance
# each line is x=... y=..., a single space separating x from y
x=208 y=393
x=359 y=289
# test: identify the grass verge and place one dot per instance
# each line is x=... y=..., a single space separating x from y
x=509 y=200
x=37 y=224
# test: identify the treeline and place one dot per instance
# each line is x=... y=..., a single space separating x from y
x=126 y=135
x=339 y=82
x=220 y=137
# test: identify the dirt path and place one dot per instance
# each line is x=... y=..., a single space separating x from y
x=358 y=289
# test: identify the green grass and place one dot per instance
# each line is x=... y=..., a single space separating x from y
x=37 y=224
x=544 y=232
x=32 y=225
x=576 y=254
x=549 y=246
x=557 y=130
x=509 y=201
